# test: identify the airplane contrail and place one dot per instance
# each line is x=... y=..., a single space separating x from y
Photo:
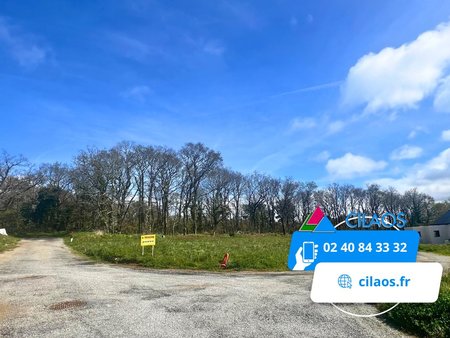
x=309 y=89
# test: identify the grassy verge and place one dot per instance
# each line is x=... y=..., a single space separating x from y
x=441 y=249
x=424 y=320
x=7 y=242
x=203 y=252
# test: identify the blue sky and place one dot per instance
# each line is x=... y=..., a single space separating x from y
x=346 y=91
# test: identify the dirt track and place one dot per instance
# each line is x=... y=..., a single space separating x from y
x=46 y=291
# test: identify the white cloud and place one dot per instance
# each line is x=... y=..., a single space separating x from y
x=22 y=47
x=305 y=123
x=350 y=165
x=413 y=133
x=406 y=152
x=397 y=78
x=442 y=98
x=138 y=93
x=335 y=126
x=432 y=177
x=445 y=135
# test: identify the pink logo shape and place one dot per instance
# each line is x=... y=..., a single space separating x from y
x=317 y=216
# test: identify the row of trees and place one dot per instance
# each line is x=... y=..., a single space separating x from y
x=135 y=188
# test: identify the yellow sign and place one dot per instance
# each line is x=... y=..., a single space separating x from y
x=148 y=240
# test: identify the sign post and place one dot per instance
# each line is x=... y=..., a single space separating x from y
x=148 y=240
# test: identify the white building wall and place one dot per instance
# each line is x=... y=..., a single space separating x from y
x=429 y=233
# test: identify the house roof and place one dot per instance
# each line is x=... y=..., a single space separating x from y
x=444 y=219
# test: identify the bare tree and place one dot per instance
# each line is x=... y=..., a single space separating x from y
x=273 y=186
x=197 y=161
x=256 y=193
x=91 y=180
x=146 y=170
x=286 y=203
x=217 y=188
x=306 y=199
x=392 y=200
x=168 y=182
x=238 y=183
x=122 y=162
x=16 y=178
x=374 y=198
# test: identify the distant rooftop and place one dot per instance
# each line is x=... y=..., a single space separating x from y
x=444 y=219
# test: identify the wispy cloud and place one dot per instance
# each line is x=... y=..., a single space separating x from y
x=244 y=14
x=406 y=152
x=400 y=78
x=445 y=135
x=442 y=98
x=214 y=47
x=22 y=46
x=210 y=46
x=134 y=48
x=302 y=123
x=137 y=93
x=323 y=156
x=413 y=133
x=335 y=126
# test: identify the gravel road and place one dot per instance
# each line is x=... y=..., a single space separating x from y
x=46 y=291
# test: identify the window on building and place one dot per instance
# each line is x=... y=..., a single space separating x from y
x=436 y=233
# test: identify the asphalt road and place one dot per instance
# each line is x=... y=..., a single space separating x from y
x=46 y=291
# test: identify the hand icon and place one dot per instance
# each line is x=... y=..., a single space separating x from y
x=300 y=264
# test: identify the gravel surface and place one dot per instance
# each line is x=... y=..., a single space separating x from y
x=432 y=257
x=46 y=291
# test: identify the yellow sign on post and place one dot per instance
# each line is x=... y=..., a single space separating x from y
x=148 y=240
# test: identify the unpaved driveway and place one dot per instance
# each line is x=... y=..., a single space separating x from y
x=432 y=257
x=46 y=291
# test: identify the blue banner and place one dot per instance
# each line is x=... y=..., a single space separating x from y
x=309 y=248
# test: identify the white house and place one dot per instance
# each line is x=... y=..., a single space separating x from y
x=436 y=233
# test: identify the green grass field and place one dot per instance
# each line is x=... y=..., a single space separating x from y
x=441 y=249
x=203 y=252
x=423 y=320
x=7 y=242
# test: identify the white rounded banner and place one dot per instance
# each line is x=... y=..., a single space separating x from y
x=376 y=282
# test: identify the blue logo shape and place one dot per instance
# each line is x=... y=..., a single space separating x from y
x=345 y=281
x=325 y=226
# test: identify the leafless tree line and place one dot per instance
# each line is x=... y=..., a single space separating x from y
x=134 y=188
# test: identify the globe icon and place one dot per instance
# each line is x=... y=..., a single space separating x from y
x=345 y=281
